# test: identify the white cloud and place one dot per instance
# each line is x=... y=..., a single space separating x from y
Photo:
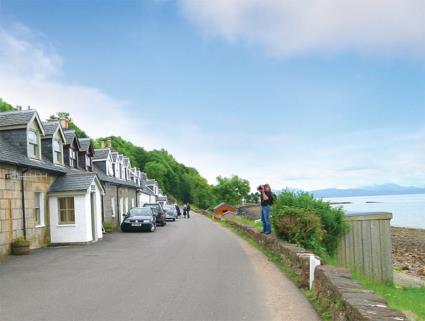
x=288 y=27
x=30 y=74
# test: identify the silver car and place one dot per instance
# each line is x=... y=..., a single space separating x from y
x=170 y=212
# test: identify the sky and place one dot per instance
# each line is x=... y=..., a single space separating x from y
x=296 y=94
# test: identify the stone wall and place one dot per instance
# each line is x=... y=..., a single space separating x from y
x=11 y=216
x=334 y=287
x=110 y=199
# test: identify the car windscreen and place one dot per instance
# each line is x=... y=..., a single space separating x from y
x=140 y=212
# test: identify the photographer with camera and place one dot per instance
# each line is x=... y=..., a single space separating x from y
x=267 y=199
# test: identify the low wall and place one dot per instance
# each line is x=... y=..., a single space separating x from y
x=346 y=299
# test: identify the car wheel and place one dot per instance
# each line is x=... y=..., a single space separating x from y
x=174 y=219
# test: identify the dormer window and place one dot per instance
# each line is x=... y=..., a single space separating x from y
x=57 y=152
x=88 y=163
x=34 y=144
x=73 y=158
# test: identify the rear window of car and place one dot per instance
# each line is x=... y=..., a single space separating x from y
x=140 y=211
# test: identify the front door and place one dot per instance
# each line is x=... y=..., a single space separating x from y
x=93 y=214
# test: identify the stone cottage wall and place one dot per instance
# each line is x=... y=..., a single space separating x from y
x=111 y=192
x=11 y=218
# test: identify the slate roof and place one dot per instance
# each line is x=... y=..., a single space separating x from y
x=69 y=135
x=109 y=179
x=11 y=155
x=16 y=118
x=84 y=144
x=72 y=182
x=101 y=153
x=50 y=127
x=162 y=198
x=151 y=181
x=147 y=190
x=223 y=204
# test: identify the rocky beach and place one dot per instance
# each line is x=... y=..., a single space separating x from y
x=409 y=251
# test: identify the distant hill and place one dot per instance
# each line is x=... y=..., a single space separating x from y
x=386 y=189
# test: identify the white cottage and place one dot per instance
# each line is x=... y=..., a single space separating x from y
x=75 y=208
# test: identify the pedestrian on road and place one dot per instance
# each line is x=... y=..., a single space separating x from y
x=267 y=199
x=188 y=210
x=184 y=210
x=179 y=213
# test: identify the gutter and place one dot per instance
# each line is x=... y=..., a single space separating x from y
x=118 y=207
x=23 y=203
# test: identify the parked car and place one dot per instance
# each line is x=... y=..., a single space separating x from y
x=139 y=219
x=170 y=212
x=158 y=212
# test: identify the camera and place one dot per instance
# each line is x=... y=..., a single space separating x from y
x=260 y=188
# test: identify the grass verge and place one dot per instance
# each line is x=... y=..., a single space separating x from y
x=400 y=298
x=322 y=310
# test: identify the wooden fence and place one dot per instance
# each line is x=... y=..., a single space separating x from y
x=366 y=248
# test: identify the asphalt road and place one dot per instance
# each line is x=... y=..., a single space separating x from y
x=189 y=270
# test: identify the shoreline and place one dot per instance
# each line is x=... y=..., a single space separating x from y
x=409 y=250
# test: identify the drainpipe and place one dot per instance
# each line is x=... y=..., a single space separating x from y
x=23 y=203
x=118 y=207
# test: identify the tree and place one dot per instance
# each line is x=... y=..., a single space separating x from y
x=60 y=115
x=4 y=106
x=231 y=190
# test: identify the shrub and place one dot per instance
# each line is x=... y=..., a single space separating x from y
x=20 y=241
x=108 y=226
x=296 y=213
x=300 y=226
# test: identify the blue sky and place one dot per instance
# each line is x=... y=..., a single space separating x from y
x=287 y=94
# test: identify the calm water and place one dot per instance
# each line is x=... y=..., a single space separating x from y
x=408 y=210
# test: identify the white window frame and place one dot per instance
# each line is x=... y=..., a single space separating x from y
x=113 y=205
x=34 y=144
x=57 y=150
x=39 y=205
x=59 y=211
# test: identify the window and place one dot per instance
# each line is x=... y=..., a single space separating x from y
x=113 y=206
x=88 y=163
x=33 y=144
x=39 y=209
x=110 y=170
x=72 y=158
x=57 y=152
x=66 y=210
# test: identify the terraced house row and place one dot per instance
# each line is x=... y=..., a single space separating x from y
x=56 y=188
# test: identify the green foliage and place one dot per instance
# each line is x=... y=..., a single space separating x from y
x=20 y=241
x=331 y=219
x=183 y=183
x=4 y=106
x=404 y=299
x=231 y=190
x=253 y=198
x=300 y=226
x=78 y=131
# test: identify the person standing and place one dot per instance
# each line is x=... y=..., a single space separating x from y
x=267 y=199
x=179 y=213
x=184 y=210
x=188 y=210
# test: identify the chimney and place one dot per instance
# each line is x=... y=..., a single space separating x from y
x=109 y=142
x=19 y=108
x=64 y=122
x=102 y=144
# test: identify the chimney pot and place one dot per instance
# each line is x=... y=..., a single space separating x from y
x=109 y=143
x=102 y=144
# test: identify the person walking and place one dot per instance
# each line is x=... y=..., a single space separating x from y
x=184 y=210
x=267 y=199
x=188 y=210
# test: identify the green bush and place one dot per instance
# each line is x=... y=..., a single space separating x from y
x=20 y=241
x=311 y=223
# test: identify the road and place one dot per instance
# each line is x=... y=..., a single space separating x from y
x=189 y=270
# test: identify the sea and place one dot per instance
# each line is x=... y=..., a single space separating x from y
x=408 y=210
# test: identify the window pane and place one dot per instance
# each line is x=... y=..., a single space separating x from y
x=56 y=146
x=32 y=137
x=66 y=210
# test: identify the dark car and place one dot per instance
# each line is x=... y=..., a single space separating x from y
x=139 y=219
x=158 y=212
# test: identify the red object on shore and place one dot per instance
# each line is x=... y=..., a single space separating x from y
x=222 y=208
